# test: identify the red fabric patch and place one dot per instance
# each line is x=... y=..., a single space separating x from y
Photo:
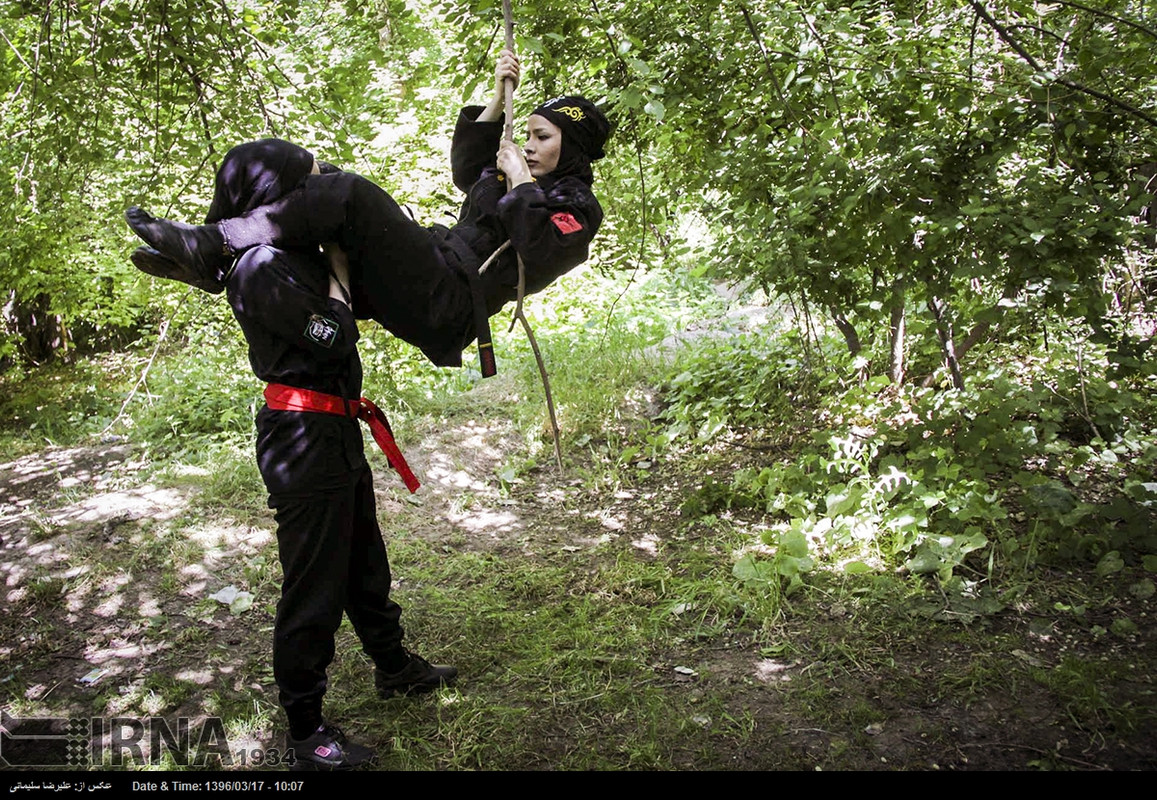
x=566 y=222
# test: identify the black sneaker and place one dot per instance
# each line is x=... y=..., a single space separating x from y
x=152 y=262
x=199 y=248
x=418 y=677
x=327 y=750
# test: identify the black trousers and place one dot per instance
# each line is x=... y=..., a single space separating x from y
x=334 y=561
x=400 y=277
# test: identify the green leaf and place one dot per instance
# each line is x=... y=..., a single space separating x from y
x=1142 y=589
x=750 y=570
x=1110 y=562
x=794 y=543
x=924 y=562
x=655 y=108
x=1123 y=626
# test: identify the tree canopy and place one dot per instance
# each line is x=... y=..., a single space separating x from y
x=914 y=170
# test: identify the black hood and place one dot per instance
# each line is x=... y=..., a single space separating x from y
x=255 y=174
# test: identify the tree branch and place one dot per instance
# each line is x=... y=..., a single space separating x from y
x=1011 y=41
x=1099 y=13
x=896 y=332
x=767 y=62
x=944 y=331
x=831 y=78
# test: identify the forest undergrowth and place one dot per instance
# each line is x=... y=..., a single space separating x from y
x=752 y=558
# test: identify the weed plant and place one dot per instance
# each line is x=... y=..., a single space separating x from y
x=62 y=404
x=1039 y=458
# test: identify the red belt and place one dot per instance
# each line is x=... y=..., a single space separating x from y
x=280 y=397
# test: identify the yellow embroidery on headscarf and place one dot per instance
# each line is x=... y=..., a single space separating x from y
x=574 y=112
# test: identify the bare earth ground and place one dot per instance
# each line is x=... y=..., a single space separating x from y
x=873 y=685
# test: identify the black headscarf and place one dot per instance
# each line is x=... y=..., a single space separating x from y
x=584 y=132
x=257 y=173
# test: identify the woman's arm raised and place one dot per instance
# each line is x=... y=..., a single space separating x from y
x=507 y=67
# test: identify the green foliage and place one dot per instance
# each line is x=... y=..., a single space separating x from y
x=956 y=483
x=867 y=160
x=600 y=337
x=735 y=383
x=782 y=570
x=113 y=103
x=62 y=404
x=188 y=402
x=865 y=156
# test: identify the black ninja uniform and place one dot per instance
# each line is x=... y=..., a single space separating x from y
x=319 y=483
x=313 y=465
x=422 y=285
x=550 y=221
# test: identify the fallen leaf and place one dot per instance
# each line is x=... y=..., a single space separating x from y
x=226 y=595
x=239 y=602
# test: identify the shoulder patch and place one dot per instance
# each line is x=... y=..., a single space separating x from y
x=321 y=330
x=566 y=222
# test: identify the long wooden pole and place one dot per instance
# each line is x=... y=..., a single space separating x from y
x=508 y=15
x=508 y=134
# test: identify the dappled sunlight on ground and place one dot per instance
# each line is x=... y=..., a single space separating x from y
x=119 y=650
x=147 y=501
x=105 y=581
x=219 y=540
x=201 y=677
x=195 y=580
x=648 y=543
x=113 y=579
x=119 y=603
x=481 y=521
x=770 y=670
x=114 y=599
x=443 y=472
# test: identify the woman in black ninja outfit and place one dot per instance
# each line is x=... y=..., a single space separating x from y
x=294 y=310
x=422 y=284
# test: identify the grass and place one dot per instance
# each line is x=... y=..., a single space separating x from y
x=640 y=647
x=569 y=662
x=546 y=647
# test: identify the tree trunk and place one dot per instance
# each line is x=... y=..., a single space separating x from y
x=42 y=334
x=896 y=365
x=944 y=331
x=851 y=338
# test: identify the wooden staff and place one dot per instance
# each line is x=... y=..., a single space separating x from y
x=508 y=134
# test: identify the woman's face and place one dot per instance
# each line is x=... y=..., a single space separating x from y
x=543 y=145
